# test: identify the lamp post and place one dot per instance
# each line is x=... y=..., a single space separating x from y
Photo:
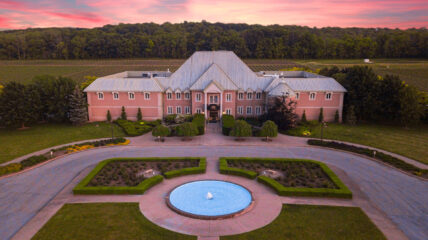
x=323 y=125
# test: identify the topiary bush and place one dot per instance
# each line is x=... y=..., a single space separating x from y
x=123 y=114
x=160 y=131
x=199 y=121
x=228 y=121
x=170 y=119
x=269 y=129
x=187 y=130
x=241 y=129
x=139 y=115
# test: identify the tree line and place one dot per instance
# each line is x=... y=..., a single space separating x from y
x=148 y=40
x=374 y=98
x=46 y=99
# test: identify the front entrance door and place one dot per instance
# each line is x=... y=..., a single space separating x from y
x=213 y=116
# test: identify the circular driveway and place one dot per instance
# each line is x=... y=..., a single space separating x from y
x=403 y=198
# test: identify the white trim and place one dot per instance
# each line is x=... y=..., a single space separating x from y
x=297 y=95
x=239 y=98
x=261 y=94
x=146 y=98
x=196 y=97
x=229 y=111
x=169 y=112
x=178 y=110
x=178 y=95
x=168 y=94
x=331 y=96
x=129 y=96
x=315 y=96
x=199 y=110
x=259 y=112
x=187 y=110
x=229 y=95
x=251 y=110
x=113 y=93
x=249 y=94
x=187 y=95
x=240 y=110
x=100 y=94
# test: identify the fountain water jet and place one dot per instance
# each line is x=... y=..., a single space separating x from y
x=209 y=196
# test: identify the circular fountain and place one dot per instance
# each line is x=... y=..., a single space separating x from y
x=210 y=199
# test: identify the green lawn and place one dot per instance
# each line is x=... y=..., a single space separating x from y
x=412 y=142
x=103 y=221
x=16 y=143
x=315 y=222
x=412 y=71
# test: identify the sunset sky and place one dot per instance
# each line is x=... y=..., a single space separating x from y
x=18 y=14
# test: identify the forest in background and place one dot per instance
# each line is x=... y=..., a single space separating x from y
x=151 y=40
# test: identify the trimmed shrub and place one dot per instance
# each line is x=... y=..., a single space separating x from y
x=170 y=119
x=199 y=121
x=269 y=129
x=10 y=168
x=134 y=128
x=228 y=121
x=123 y=114
x=160 y=131
x=139 y=115
x=321 y=115
x=187 y=130
x=369 y=152
x=108 y=116
x=241 y=129
x=187 y=171
x=33 y=160
x=225 y=169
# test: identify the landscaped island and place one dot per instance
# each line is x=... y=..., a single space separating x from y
x=136 y=175
x=288 y=177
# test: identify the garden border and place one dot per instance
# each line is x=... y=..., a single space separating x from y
x=82 y=188
x=341 y=192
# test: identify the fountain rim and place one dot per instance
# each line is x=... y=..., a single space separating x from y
x=207 y=217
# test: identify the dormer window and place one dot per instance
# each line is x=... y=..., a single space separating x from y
x=115 y=96
x=249 y=96
x=178 y=96
x=131 y=96
x=187 y=95
x=146 y=96
x=240 y=96
x=228 y=97
x=198 y=97
x=312 y=96
x=100 y=96
x=297 y=96
x=328 y=96
x=258 y=95
x=168 y=95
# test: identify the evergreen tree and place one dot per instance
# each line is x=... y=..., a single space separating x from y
x=78 y=107
x=108 y=116
x=303 y=120
x=321 y=116
x=19 y=104
x=139 y=115
x=336 y=116
x=123 y=114
x=282 y=113
x=350 y=116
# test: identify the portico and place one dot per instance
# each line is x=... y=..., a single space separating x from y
x=213 y=101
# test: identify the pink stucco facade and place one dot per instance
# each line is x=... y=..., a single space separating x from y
x=159 y=105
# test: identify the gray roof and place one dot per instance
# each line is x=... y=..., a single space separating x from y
x=222 y=67
x=281 y=89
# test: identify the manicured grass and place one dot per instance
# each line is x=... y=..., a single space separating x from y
x=412 y=71
x=103 y=221
x=316 y=222
x=24 y=71
x=411 y=142
x=16 y=143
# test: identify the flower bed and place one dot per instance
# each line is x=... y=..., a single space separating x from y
x=289 y=177
x=136 y=175
x=137 y=128
x=36 y=159
x=369 y=152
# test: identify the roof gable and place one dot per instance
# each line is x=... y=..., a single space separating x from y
x=214 y=73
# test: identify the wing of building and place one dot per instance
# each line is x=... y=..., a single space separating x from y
x=212 y=83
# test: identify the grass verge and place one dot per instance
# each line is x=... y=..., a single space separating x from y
x=409 y=142
x=15 y=143
x=316 y=222
x=82 y=221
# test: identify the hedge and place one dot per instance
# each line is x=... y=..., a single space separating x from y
x=82 y=187
x=199 y=121
x=228 y=121
x=135 y=128
x=225 y=169
x=188 y=171
x=10 y=168
x=398 y=163
x=341 y=192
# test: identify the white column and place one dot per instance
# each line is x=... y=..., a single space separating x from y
x=205 y=103
x=221 y=104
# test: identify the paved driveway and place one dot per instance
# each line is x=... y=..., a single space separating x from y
x=403 y=198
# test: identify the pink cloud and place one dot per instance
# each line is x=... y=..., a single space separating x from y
x=319 y=13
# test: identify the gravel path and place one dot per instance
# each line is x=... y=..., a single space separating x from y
x=403 y=198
